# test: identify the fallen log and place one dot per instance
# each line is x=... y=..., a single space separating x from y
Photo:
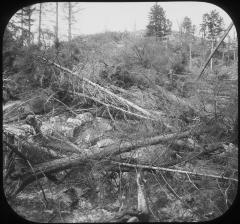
x=33 y=151
x=61 y=144
x=153 y=168
x=36 y=103
x=105 y=95
x=57 y=165
x=214 y=50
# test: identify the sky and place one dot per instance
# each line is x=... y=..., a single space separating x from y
x=127 y=16
x=98 y=17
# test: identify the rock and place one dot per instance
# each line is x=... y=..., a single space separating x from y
x=55 y=120
x=82 y=129
x=19 y=130
x=86 y=117
x=75 y=122
x=94 y=131
x=191 y=142
x=80 y=119
x=69 y=132
x=57 y=125
x=54 y=124
x=105 y=142
x=103 y=124
x=46 y=128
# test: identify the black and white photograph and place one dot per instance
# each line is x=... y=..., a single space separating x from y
x=120 y=112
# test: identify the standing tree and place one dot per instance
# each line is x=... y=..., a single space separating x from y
x=72 y=8
x=212 y=27
x=69 y=21
x=19 y=15
x=56 y=27
x=187 y=27
x=159 y=26
x=28 y=13
x=11 y=46
x=56 y=42
x=235 y=45
x=188 y=31
x=24 y=17
x=40 y=24
x=47 y=14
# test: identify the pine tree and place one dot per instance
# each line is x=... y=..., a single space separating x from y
x=159 y=25
x=72 y=8
x=40 y=24
x=69 y=21
x=188 y=30
x=26 y=22
x=187 y=26
x=212 y=27
x=28 y=13
x=56 y=26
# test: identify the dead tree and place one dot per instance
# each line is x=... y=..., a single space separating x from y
x=143 y=210
x=142 y=213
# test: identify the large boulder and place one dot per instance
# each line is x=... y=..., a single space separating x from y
x=93 y=132
x=69 y=128
x=84 y=130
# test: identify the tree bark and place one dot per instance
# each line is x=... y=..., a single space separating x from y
x=215 y=49
x=29 y=26
x=57 y=165
x=211 y=62
x=69 y=21
x=56 y=31
x=40 y=24
x=190 y=56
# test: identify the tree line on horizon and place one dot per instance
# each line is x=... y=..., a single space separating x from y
x=211 y=28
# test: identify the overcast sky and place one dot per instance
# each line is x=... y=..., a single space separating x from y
x=98 y=17
x=103 y=16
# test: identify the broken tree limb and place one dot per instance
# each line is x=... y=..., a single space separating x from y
x=145 y=167
x=157 y=113
x=15 y=150
x=116 y=100
x=60 y=144
x=213 y=52
x=110 y=151
x=32 y=152
x=109 y=105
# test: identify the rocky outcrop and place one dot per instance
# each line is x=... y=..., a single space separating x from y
x=84 y=130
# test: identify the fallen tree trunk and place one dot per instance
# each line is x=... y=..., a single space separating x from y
x=213 y=52
x=105 y=95
x=43 y=169
x=33 y=152
x=154 y=168
x=61 y=144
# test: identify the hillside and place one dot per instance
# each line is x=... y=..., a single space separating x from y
x=114 y=123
